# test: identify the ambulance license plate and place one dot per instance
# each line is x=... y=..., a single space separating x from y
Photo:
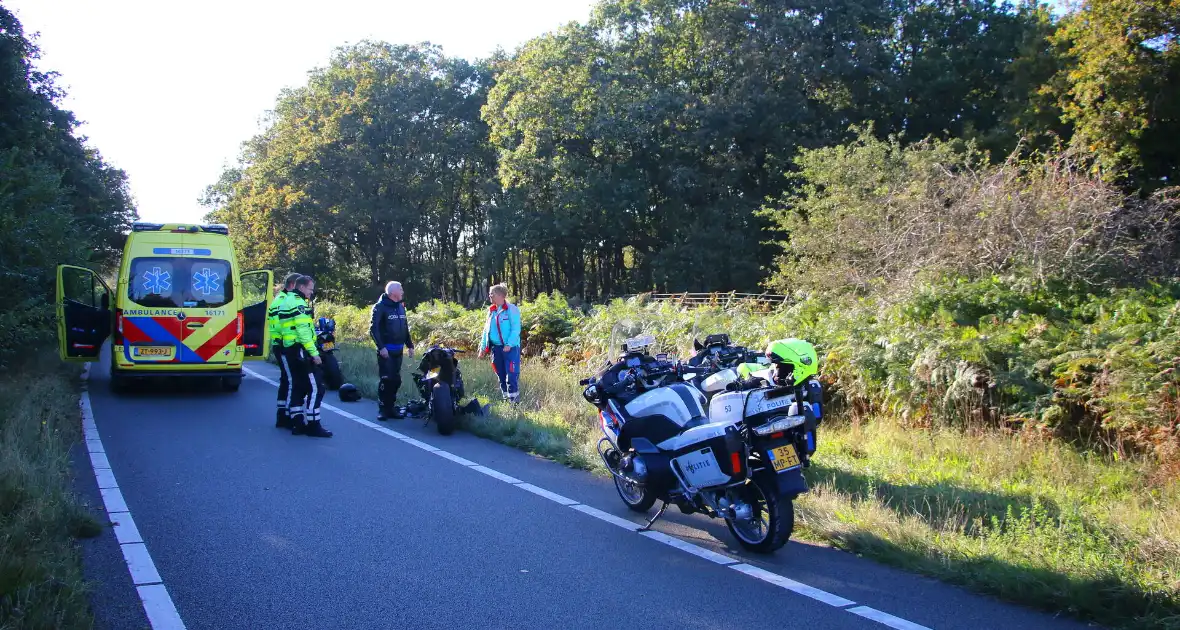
x=153 y=353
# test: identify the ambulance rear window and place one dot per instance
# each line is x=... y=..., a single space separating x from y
x=173 y=282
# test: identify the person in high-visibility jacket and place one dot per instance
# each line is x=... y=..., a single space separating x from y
x=299 y=349
x=282 y=418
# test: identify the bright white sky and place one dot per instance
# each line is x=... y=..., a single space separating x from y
x=168 y=94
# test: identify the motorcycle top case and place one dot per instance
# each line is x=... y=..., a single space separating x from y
x=704 y=455
x=754 y=407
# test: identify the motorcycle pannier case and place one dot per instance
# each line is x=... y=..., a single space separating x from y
x=718 y=458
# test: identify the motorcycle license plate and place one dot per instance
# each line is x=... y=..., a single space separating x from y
x=328 y=345
x=784 y=457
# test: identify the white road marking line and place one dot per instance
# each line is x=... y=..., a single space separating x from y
x=793 y=586
x=161 y=612
x=552 y=496
x=885 y=618
x=112 y=499
x=99 y=460
x=125 y=529
x=139 y=562
x=346 y=414
x=157 y=604
x=455 y=458
x=676 y=543
x=688 y=547
x=606 y=516
x=422 y=445
x=106 y=478
x=390 y=432
x=497 y=474
x=272 y=382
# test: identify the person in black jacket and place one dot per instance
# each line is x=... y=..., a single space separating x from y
x=390 y=330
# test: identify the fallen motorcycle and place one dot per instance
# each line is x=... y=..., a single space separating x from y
x=440 y=383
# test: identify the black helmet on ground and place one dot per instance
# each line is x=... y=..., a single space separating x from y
x=349 y=393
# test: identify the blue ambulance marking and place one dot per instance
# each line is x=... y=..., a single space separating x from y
x=153 y=329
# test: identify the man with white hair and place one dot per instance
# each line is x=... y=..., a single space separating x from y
x=390 y=330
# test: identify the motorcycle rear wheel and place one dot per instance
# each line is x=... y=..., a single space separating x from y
x=774 y=513
x=636 y=497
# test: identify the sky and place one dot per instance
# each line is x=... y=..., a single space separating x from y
x=169 y=93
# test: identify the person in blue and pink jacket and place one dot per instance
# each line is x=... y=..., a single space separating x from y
x=501 y=339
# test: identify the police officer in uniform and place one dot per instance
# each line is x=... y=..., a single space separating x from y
x=390 y=330
x=282 y=418
x=301 y=355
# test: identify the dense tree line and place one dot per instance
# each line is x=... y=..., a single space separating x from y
x=60 y=202
x=635 y=151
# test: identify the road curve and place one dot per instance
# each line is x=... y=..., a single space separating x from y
x=250 y=527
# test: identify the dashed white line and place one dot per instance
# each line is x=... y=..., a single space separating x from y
x=885 y=618
x=422 y=445
x=700 y=552
x=497 y=474
x=112 y=498
x=793 y=586
x=125 y=529
x=541 y=492
x=455 y=458
x=139 y=562
x=99 y=460
x=676 y=543
x=106 y=478
x=157 y=604
x=606 y=516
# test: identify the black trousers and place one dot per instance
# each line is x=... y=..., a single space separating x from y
x=316 y=397
x=333 y=378
x=284 y=377
x=306 y=389
x=390 y=371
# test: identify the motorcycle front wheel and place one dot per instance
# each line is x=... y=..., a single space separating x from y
x=443 y=409
x=772 y=517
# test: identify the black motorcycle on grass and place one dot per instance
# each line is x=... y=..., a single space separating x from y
x=440 y=383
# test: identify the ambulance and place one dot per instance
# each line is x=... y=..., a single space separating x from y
x=181 y=308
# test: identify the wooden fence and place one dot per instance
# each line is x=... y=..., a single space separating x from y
x=725 y=300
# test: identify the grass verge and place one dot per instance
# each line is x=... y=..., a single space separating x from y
x=1027 y=520
x=41 y=582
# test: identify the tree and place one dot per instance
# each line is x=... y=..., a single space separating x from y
x=1119 y=87
x=60 y=202
x=377 y=169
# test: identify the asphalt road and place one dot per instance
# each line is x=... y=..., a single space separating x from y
x=251 y=527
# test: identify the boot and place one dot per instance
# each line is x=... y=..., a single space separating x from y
x=315 y=429
x=398 y=413
x=282 y=420
x=298 y=426
x=382 y=415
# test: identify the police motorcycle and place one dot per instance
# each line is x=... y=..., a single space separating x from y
x=325 y=339
x=440 y=383
x=724 y=361
x=742 y=462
